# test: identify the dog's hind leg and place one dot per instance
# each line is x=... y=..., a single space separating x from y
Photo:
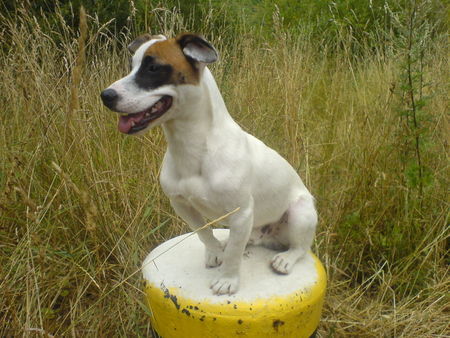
x=213 y=247
x=272 y=236
x=299 y=233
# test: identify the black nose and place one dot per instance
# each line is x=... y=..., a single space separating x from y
x=109 y=97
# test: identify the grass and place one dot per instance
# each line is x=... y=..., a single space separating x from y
x=81 y=206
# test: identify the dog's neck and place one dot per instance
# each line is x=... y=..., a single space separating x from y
x=188 y=134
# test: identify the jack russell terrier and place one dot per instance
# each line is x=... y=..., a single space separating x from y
x=211 y=166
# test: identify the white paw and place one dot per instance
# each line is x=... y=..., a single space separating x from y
x=284 y=262
x=213 y=257
x=225 y=285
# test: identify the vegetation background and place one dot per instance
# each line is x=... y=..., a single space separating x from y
x=353 y=93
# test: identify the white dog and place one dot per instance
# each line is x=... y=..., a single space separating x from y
x=212 y=166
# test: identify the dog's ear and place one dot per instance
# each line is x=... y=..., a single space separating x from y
x=132 y=47
x=197 y=48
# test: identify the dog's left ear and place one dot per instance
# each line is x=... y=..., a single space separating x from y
x=197 y=48
x=133 y=46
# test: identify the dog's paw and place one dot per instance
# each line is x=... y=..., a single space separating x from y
x=284 y=262
x=225 y=285
x=213 y=257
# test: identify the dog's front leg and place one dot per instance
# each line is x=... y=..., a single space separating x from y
x=240 y=224
x=213 y=247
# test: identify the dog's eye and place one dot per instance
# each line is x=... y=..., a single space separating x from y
x=152 y=68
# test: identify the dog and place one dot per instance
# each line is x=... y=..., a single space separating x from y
x=211 y=166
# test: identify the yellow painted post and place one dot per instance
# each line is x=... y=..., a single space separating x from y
x=266 y=305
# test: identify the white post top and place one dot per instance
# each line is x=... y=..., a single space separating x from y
x=180 y=263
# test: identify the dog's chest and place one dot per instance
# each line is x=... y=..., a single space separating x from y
x=197 y=192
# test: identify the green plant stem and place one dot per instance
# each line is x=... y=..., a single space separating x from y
x=413 y=101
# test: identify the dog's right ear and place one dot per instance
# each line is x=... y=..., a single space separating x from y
x=197 y=48
x=132 y=47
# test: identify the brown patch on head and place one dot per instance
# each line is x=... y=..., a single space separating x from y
x=168 y=52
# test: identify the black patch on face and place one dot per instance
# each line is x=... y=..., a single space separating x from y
x=151 y=75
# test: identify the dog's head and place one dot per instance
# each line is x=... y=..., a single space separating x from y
x=163 y=72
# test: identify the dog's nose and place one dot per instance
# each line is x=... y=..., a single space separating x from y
x=109 y=97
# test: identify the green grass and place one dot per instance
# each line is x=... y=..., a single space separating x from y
x=81 y=205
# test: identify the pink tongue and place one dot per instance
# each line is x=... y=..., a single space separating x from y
x=125 y=121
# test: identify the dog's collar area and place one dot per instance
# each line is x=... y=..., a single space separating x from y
x=133 y=123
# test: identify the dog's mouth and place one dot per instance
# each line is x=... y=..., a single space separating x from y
x=132 y=123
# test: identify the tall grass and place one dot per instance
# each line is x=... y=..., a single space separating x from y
x=81 y=206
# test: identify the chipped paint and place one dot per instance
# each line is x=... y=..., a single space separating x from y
x=171 y=297
x=276 y=324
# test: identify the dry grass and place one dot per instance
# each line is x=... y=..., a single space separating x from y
x=81 y=205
